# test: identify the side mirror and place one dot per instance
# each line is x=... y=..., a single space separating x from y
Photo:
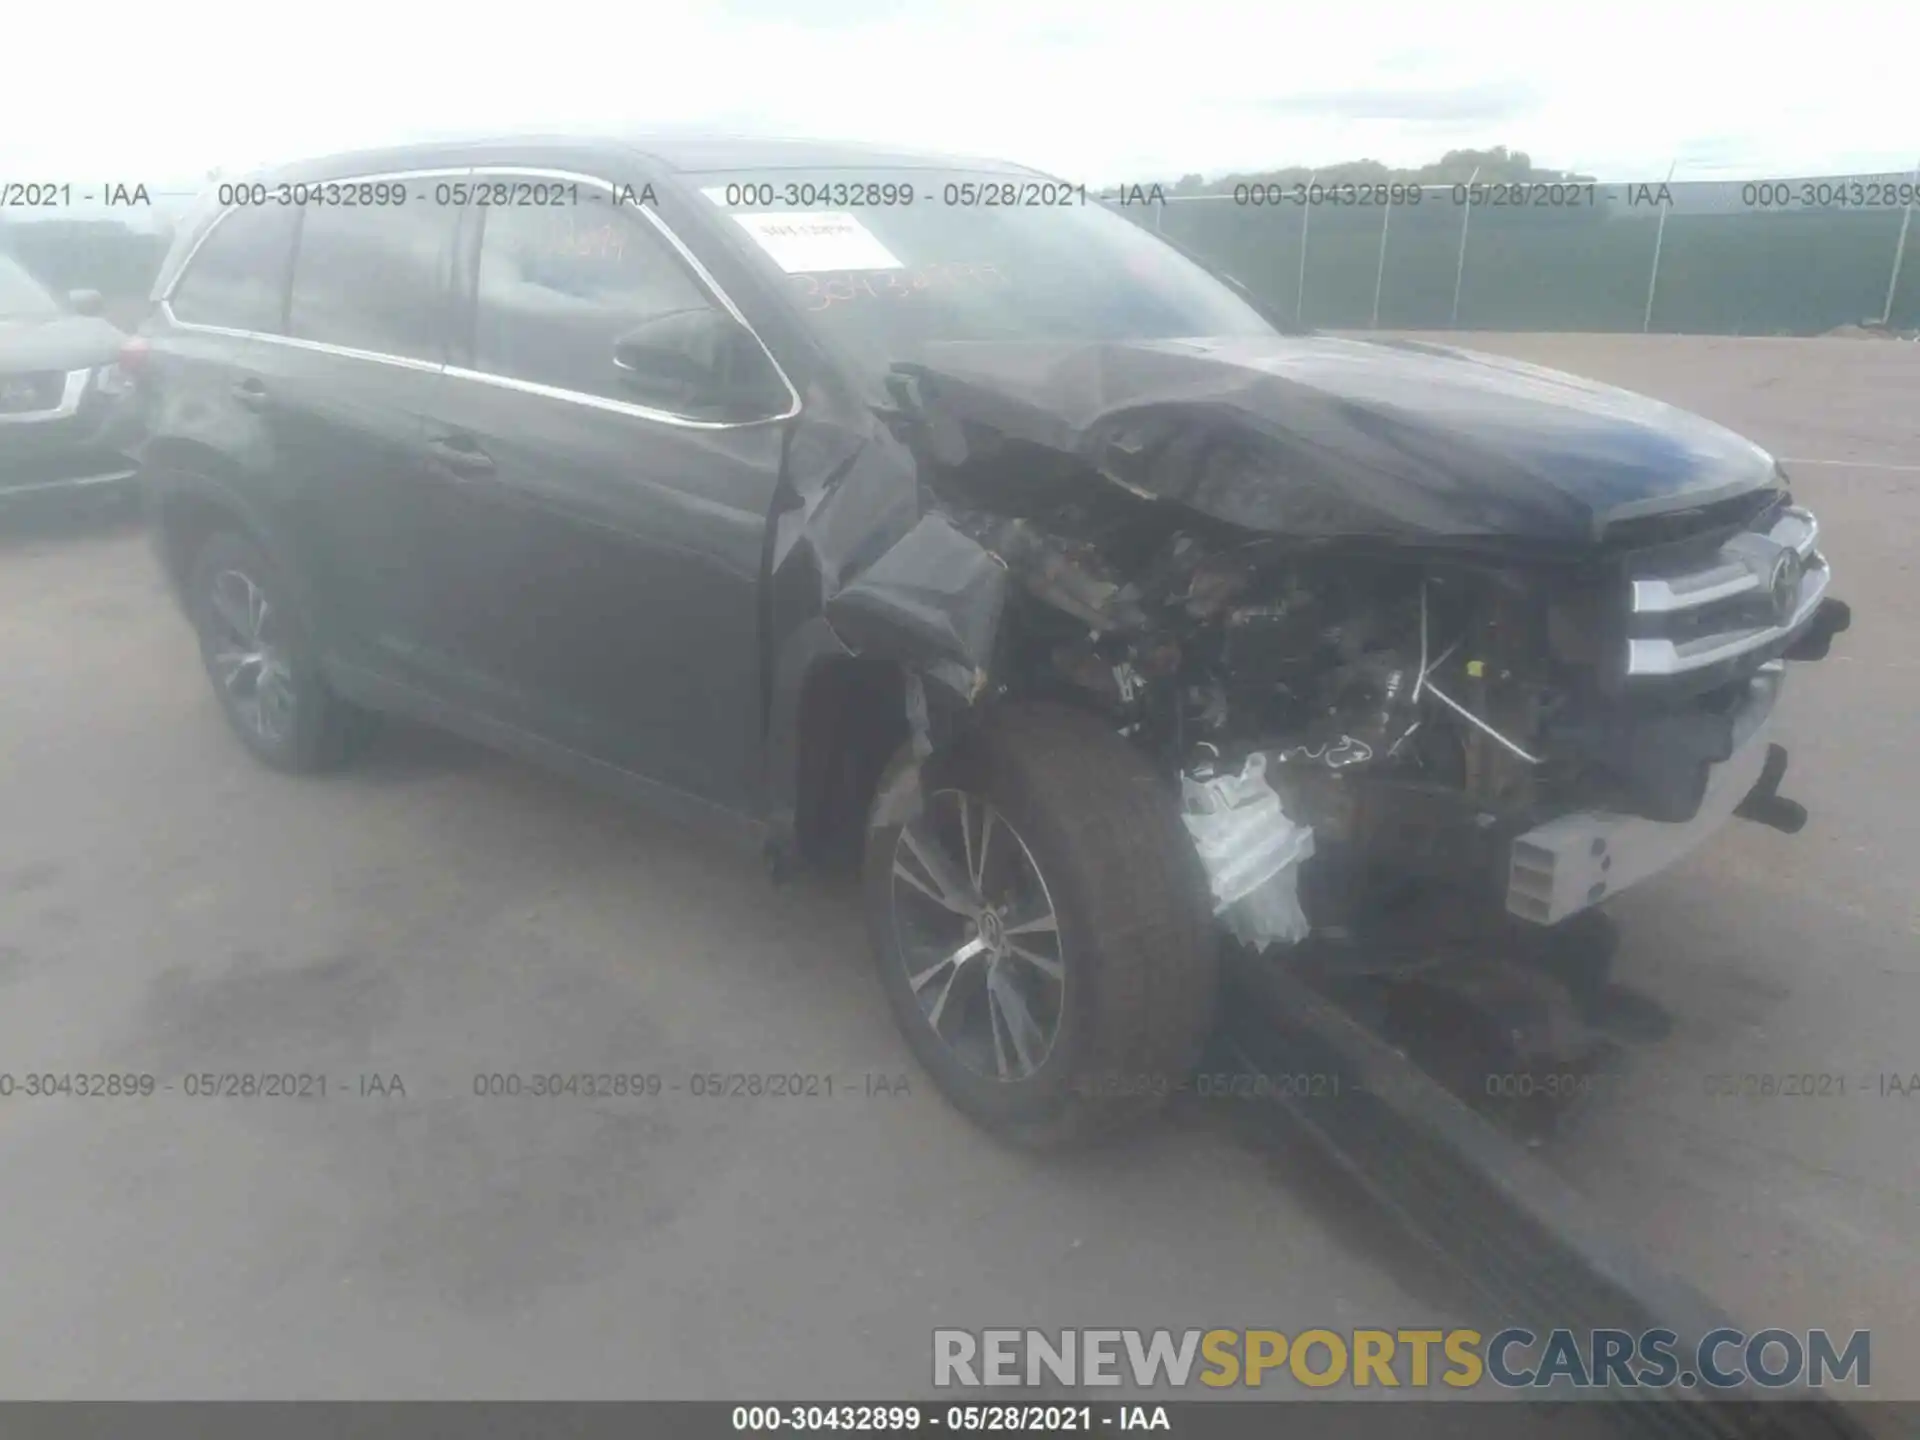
x=701 y=363
x=86 y=302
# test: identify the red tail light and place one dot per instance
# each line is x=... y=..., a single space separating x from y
x=133 y=356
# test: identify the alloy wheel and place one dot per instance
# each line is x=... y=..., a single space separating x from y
x=248 y=656
x=978 y=936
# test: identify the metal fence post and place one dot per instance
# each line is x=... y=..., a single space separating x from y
x=1460 y=266
x=1659 y=236
x=1159 y=215
x=1300 y=289
x=1380 y=271
x=1899 y=253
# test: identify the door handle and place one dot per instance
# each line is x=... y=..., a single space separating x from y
x=461 y=455
x=250 y=393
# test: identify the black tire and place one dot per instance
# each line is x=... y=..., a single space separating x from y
x=313 y=729
x=1135 y=939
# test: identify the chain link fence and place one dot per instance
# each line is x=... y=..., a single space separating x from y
x=1724 y=257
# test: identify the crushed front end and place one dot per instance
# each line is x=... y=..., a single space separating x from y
x=1437 y=729
x=1502 y=642
x=1434 y=654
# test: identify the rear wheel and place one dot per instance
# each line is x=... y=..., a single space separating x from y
x=1041 y=927
x=262 y=662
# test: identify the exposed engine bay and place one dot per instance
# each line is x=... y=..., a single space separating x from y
x=1410 y=713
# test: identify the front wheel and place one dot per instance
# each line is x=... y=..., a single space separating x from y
x=1041 y=926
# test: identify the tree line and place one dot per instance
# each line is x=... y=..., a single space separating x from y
x=1455 y=167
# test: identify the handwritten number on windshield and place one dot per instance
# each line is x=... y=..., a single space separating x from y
x=823 y=293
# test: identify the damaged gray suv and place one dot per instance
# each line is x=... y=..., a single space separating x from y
x=927 y=515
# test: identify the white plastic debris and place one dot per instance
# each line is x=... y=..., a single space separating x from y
x=1252 y=853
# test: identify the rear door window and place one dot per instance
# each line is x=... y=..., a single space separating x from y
x=373 y=277
x=237 y=278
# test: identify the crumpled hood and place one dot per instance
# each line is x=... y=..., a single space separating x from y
x=62 y=342
x=1320 y=436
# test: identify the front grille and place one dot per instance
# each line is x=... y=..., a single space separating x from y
x=39 y=393
x=1744 y=601
x=22 y=394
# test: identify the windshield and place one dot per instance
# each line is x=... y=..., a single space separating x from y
x=21 y=296
x=888 y=260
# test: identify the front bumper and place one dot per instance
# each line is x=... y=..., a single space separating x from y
x=1576 y=861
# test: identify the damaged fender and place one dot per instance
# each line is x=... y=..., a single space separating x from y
x=932 y=602
x=861 y=564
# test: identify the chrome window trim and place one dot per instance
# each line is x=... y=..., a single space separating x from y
x=349 y=352
x=194 y=326
x=71 y=391
x=602 y=402
x=702 y=276
x=294 y=342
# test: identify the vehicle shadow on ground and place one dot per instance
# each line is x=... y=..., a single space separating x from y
x=1478 y=1051
x=1524 y=1028
x=1293 y=1162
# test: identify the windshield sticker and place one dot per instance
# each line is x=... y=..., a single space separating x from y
x=808 y=242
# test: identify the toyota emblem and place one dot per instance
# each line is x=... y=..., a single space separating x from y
x=1784 y=586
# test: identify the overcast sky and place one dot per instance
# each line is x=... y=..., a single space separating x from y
x=1096 y=92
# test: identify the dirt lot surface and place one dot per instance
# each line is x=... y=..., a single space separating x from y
x=435 y=914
